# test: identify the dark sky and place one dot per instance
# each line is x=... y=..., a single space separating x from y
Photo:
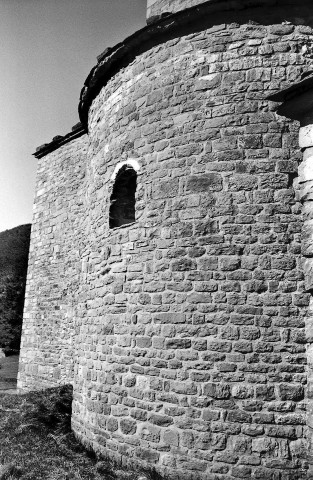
x=47 y=48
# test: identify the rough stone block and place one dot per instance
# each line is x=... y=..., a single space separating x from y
x=306 y=136
x=291 y=392
x=204 y=183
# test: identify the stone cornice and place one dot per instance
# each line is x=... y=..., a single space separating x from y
x=77 y=131
x=159 y=30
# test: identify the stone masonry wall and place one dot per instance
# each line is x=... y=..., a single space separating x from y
x=157 y=7
x=54 y=266
x=191 y=339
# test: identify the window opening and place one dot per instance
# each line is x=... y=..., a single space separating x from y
x=122 y=201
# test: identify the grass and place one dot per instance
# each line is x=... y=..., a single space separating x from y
x=36 y=441
x=8 y=372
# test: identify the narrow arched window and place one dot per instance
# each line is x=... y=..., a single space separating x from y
x=122 y=202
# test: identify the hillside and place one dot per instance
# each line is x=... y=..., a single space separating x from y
x=14 y=247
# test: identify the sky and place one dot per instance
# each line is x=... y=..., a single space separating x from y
x=47 y=48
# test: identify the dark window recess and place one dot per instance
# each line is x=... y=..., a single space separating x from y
x=122 y=201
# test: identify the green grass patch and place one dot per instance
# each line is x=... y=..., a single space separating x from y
x=36 y=441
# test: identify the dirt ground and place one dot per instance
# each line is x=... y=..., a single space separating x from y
x=8 y=372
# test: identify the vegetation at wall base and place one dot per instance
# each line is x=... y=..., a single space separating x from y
x=37 y=442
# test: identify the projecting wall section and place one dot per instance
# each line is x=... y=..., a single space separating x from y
x=191 y=325
x=54 y=267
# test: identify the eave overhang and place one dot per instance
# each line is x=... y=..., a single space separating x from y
x=77 y=131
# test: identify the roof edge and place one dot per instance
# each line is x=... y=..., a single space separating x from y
x=158 y=30
x=77 y=131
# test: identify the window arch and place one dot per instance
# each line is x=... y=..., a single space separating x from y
x=123 y=198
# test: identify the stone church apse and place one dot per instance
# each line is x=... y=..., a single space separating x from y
x=170 y=266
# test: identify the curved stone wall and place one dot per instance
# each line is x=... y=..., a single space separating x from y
x=191 y=342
